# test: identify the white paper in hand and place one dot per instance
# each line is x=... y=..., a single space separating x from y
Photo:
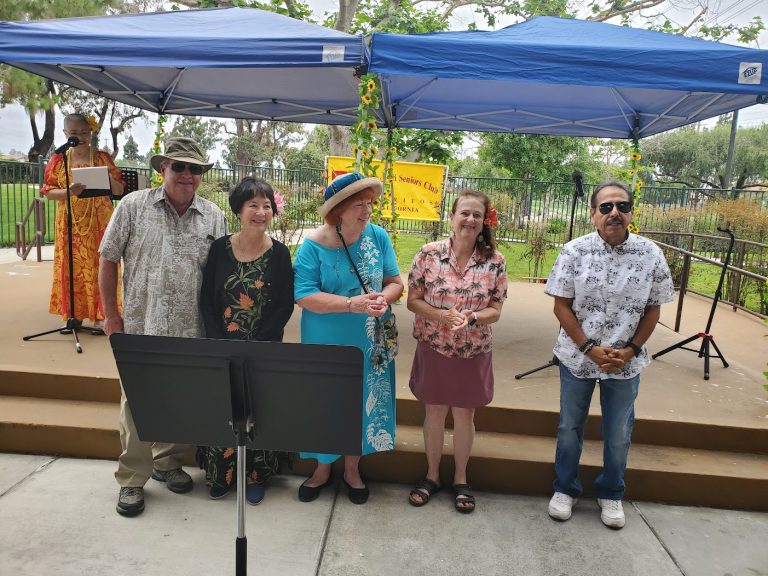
x=96 y=181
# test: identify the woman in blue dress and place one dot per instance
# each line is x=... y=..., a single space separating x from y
x=347 y=305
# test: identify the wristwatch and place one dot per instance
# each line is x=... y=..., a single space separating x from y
x=474 y=319
x=635 y=348
x=587 y=346
x=349 y=304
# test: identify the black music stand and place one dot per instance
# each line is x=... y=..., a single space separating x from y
x=706 y=337
x=265 y=395
x=130 y=182
x=578 y=192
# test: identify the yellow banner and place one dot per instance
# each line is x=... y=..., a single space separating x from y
x=418 y=187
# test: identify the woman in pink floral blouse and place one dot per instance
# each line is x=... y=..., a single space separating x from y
x=456 y=288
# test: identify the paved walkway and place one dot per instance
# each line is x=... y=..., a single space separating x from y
x=57 y=516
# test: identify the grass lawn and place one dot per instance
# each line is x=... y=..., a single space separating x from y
x=517 y=265
x=704 y=278
x=15 y=200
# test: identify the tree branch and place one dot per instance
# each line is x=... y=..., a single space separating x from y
x=611 y=12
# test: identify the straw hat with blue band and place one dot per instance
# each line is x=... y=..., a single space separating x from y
x=346 y=185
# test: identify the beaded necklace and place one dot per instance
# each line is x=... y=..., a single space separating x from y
x=89 y=211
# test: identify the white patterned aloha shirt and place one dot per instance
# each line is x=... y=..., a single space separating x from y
x=611 y=288
x=163 y=259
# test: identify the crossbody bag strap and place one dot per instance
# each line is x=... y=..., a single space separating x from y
x=354 y=267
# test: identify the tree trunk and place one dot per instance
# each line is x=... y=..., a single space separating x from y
x=347 y=9
x=339 y=135
x=41 y=146
x=339 y=140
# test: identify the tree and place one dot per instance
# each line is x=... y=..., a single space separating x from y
x=697 y=158
x=115 y=116
x=31 y=91
x=131 y=150
x=261 y=142
x=204 y=132
x=312 y=154
x=551 y=158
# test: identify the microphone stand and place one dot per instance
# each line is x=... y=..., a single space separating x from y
x=577 y=193
x=72 y=325
x=706 y=337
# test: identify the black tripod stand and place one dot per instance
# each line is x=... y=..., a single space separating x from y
x=72 y=325
x=706 y=337
x=578 y=192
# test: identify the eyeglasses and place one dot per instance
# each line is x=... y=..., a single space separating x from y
x=607 y=207
x=194 y=169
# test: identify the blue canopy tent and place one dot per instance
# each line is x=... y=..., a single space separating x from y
x=230 y=62
x=563 y=77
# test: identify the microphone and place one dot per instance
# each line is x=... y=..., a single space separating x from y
x=71 y=143
x=578 y=180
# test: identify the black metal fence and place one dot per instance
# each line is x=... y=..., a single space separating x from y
x=526 y=207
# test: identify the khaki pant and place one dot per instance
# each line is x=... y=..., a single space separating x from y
x=134 y=467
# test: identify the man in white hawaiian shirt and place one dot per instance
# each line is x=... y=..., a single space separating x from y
x=608 y=288
x=162 y=235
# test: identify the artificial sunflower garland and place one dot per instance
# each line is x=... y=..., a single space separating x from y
x=157 y=178
x=637 y=184
x=365 y=152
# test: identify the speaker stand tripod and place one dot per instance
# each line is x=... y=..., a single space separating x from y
x=707 y=339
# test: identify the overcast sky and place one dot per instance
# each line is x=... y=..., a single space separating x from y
x=15 y=131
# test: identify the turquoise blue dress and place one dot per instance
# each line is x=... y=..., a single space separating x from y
x=321 y=269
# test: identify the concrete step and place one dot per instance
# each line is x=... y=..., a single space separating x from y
x=24 y=382
x=410 y=412
x=502 y=462
x=697 y=435
x=60 y=427
x=523 y=464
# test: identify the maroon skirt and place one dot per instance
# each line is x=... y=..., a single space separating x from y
x=451 y=381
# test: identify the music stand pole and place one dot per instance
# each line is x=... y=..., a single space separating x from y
x=708 y=339
x=577 y=193
x=72 y=325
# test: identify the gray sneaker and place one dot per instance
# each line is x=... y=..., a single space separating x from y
x=177 y=480
x=131 y=501
x=611 y=513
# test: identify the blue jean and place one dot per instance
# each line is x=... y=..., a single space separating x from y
x=617 y=402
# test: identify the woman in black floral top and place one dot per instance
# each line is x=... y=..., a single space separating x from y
x=247 y=294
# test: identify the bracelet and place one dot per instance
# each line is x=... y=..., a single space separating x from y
x=349 y=304
x=587 y=346
x=635 y=348
x=474 y=319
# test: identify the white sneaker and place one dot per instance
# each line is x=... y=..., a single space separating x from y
x=612 y=513
x=561 y=506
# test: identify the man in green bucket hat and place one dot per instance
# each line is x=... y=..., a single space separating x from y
x=162 y=235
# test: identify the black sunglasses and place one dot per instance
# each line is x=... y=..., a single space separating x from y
x=607 y=207
x=194 y=169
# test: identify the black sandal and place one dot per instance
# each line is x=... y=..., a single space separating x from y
x=464 y=500
x=425 y=489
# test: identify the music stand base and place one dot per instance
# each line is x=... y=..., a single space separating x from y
x=703 y=351
x=553 y=362
x=71 y=327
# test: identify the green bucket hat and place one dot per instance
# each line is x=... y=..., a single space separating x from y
x=183 y=150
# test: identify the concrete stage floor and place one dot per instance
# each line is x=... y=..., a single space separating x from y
x=672 y=388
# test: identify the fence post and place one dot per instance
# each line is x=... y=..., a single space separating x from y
x=683 y=288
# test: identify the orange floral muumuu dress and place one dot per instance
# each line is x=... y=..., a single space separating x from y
x=90 y=217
